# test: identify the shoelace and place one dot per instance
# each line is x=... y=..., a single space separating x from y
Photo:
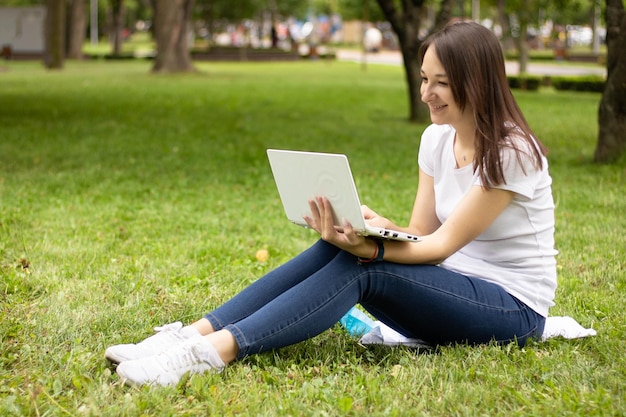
x=166 y=334
x=169 y=327
x=184 y=357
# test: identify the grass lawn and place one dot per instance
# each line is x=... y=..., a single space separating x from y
x=129 y=200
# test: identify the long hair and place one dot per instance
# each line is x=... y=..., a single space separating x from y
x=473 y=60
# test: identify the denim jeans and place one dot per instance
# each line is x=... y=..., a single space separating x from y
x=311 y=292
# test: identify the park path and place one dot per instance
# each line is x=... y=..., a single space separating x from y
x=542 y=69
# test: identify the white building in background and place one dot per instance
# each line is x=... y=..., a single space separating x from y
x=22 y=30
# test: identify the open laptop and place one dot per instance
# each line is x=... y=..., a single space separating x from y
x=302 y=176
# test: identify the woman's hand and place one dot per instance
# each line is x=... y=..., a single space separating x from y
x=344 y=237
x=374 y=219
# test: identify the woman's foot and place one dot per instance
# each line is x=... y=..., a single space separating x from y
x=167 y=336
x=195 y=356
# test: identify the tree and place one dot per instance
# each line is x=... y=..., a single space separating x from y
x=406 y=24
x=76 y=28
x=357 y=9
x=217 y=14
x=521 y=11
x=54 y=55
x=117 y=25
x=612 y=111
x=171 y=24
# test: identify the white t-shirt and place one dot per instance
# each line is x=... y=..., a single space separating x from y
x=517 y=250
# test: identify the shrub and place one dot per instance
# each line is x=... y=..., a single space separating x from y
x=524 y=82
x=589 y=83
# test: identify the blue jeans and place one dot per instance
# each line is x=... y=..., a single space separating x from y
x=310 y=293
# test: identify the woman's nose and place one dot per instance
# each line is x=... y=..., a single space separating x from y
x=426 y=93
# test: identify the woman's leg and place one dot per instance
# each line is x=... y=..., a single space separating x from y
x=443 y=307
x=422 y=301
x=270 y=286
x=242 y=305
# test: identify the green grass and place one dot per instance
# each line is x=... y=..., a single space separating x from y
x=129 y=200
x=139 y=44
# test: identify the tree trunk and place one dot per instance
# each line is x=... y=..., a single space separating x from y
x=521 y=40
x=504 y=18
x=522 y=45
x=406 y=25
x=54 y=55
x=171 y=20
x=409 y=46
x=117 y=25
x=612 y=111
x=76 y=28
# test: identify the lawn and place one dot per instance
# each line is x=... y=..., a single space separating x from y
x=129 y=200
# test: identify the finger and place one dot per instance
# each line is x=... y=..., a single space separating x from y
x=326 y=221
x=349 y=232
x=309 y=221
x=316 y=211
x=327 y=213
x=368 y=213
x=314 y=220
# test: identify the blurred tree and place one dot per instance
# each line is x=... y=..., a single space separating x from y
x=612 y=112
x=406 y=23
x=569 y=12
x=172 y=20
x=76 y=28
x=356 y=9
x=21 y=3
x=54 y=54
x=518 y=16
x=216 y=14
x=117 y=25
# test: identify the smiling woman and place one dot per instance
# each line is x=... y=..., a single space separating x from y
x=484 y=271
x=484 y=112
x=129 y=200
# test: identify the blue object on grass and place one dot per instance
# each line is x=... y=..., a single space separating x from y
x=356 y=322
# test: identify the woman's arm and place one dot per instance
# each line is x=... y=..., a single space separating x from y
x=476 y=211
x=423 y=218
x=474 y=214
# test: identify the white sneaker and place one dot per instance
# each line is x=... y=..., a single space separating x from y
x=166 y=337
x=195 y=356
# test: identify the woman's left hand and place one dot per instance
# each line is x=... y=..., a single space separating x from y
x=344 y=237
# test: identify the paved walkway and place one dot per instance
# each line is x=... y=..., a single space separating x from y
x=547 y=68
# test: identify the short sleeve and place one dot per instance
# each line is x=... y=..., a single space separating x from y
x=431 y=146
x=521 y=174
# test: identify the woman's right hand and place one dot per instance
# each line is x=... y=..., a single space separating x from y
x=374 y=219
x=344 y=237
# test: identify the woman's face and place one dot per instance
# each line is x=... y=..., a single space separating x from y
x=436 y=92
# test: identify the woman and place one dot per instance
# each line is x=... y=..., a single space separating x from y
x=484 y=271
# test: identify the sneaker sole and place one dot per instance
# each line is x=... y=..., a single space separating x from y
x=113 y=358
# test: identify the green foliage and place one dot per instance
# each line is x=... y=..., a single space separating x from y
x=240 y=10
x=524 y=82
x=21 y=3
x=360 y=9
x=129 y=200
x=534 y=55
x=580 y=83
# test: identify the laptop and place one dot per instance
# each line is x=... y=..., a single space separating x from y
x=302 y=176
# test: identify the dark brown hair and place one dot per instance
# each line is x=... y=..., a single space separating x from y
x=472 y=57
